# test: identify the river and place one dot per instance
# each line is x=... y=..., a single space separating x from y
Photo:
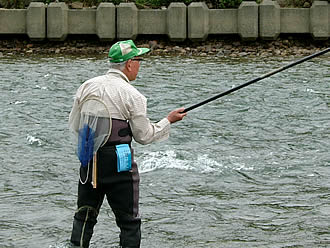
x=251 y=169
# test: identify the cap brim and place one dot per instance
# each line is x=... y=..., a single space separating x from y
x=142 y=51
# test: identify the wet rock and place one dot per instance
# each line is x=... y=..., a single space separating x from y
x=236 y=44
x=226 y=52
x=153 y=44
x=280 y=47
x=10 y=45
x=228 y=47
x=277 y=52
x=80 y=45
x=208 y=48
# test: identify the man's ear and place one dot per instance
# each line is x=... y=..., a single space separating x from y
x=129 y=65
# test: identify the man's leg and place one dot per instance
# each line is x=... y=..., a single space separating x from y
x=123 y=197
x=89 y=204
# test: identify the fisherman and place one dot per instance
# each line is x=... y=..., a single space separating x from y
x=128 y=111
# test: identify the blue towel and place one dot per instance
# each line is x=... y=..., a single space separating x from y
x=85 y=145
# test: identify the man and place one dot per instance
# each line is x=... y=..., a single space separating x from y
x=128 y=110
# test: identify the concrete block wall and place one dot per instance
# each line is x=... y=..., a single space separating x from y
x=274 y=20
x=319 y=20
x=105 y=21
x=223 y=21
x=132 y=21
x=176 y=22
x=294 y=20
x=62 y=21
x=179 y=22
x=36 y=21
x=269 y=20
x=247 y=22
x=13 y=21
x=198 y=21
x=203 y=21
x=57 y=21
x=127 y=24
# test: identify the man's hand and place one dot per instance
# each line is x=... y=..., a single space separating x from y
x=176 y=115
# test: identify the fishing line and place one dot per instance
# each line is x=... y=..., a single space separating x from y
x=257 y=79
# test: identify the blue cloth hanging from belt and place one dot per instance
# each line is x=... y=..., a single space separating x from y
x=85 y=144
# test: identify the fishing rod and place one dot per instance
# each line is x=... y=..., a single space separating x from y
x=256 y=79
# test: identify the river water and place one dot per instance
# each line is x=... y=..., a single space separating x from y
x=251 y=169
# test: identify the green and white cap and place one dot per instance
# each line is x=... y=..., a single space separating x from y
x=125 y=50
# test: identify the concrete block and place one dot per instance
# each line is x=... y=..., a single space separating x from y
x=294 y=20
x=319 y=21
x=127 y=21
x=177 y=21
x=152 y=21
x=223 y=21
x=248 y=21
x=106 y=21
x=82 y=21
x=12 y=21
x=269 y=20
x=198 y=21
x=57 y=21
x=36 y=21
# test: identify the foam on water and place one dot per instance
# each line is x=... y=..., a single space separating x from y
x=33 y=140
x=150 y=161
x=41 y=87
x=61 y=245
x=19 y=102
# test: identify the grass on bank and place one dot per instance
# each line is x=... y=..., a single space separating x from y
x=155 y=4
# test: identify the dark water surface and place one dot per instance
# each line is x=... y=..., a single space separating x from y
x=251 y=169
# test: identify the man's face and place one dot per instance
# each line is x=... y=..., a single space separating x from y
x=133 y=68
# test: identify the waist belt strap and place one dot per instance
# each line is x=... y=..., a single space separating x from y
x=120 y=133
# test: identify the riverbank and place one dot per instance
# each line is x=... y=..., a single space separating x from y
x=232 y=47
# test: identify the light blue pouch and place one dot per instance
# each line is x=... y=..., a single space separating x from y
x=124 y=157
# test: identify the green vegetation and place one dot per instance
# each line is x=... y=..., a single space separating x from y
x=12 y=4
x=296 y=3
x=155 y=4
x=212 y=4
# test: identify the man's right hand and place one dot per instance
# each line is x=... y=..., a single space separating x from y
x=176 y=115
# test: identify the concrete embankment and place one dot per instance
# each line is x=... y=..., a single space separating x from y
x=178 y=22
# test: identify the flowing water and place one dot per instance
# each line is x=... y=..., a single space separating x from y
x=251 y=169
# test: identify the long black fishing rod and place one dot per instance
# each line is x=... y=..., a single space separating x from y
x=256 y=79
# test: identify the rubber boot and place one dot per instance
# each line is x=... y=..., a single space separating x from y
x=130 y=233
x=83 y=225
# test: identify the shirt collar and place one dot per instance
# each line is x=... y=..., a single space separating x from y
x=121 y=74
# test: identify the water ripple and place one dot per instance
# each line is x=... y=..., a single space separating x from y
x=248 y=170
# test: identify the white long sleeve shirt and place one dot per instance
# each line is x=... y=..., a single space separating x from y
x=125 y=103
